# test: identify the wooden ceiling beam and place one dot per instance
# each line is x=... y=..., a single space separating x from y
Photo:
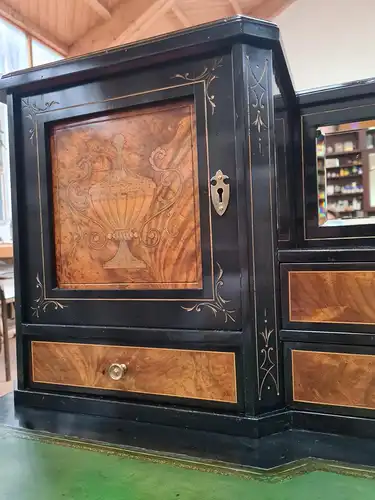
x=104 y=34
x=99 y=8
x=181 y=16
x=236 y=6
x=156 y=10
x=15 y=17
x=132 y=19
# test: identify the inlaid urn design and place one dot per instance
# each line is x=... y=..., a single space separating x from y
x=121 y=201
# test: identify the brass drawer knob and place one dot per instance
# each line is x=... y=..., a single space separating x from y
x=116 y=371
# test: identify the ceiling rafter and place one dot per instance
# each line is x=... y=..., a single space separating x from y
x=99 y=8
x=15 y=17
x=156 y=10
x=181 y=16
x=132 y=20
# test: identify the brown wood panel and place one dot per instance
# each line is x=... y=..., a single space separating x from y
x=332 y=296
x=171 y=372
x=126 y=207
x=6 y=251
x=337 y=379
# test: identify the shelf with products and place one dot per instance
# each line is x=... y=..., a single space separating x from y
x=345 y=205
x=344 y=177
x=344 y=153
x=350 y=211
x=342 y=143
x=342 y=132
x=341 y=158
x=347 y=158
x=345 y=165
x=334 y=195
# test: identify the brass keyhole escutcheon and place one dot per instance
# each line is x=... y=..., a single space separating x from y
x=117 y=370
x=220 y=192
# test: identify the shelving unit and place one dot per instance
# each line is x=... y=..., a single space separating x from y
x=340 y=172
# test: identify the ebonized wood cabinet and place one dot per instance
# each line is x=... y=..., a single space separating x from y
x=169 y=260
x=170 y=263
x=327 y=279
x=146 y=229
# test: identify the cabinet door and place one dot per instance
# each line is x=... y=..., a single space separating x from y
x=118 y=223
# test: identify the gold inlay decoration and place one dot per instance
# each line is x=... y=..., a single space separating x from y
x=33 y=109
x=208 y=77
x=219 y=304
x=42 y=303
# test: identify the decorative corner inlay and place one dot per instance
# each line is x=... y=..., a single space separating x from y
x=208 y=77
x=33 y=109
x=42 y=303
x=219 y=304
x=267 y=366
x=259 y=94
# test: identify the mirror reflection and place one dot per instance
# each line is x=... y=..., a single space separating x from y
x=345 y=159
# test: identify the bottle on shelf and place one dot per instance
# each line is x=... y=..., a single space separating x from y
x=369 y=140
x=348 y=146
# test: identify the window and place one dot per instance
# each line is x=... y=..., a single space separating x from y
x=43 y=54
x=5 y=208
x=13 y=48
x=18 y=50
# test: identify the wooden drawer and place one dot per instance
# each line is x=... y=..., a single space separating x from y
x=326 y=296
x=207 y=375
x=333 y=378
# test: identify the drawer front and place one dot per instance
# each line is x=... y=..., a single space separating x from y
x=205 y=375
x=333 y=378
x=332 y=296
x=337 y=296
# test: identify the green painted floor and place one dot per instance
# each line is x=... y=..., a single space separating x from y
x=42 y=467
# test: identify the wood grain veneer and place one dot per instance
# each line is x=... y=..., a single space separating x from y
x=332 y=296
x=330 y=378
x=171 y=372
x=125 y=197
x=6 y=251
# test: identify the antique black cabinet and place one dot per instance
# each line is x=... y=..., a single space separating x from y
x=328 y=268
x=172 y=262
x=146 y=229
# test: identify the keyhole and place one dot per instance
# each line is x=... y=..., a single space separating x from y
x=220 y=193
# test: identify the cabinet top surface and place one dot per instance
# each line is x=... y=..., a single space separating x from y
x=206 y=38
x=340 y=92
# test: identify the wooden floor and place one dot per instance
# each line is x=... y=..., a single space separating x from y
x=6 y=387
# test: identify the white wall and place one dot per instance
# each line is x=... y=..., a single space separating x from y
x=328 y=41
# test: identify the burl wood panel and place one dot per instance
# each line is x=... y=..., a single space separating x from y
x=169 y=372
x=335 y=379
x=332 y=296
x=126 y=207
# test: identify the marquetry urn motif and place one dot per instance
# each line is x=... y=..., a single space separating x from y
x=126 y=201
x=121 y=202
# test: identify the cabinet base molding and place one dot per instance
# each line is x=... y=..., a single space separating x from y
x=330 y=423
x=236 y=425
